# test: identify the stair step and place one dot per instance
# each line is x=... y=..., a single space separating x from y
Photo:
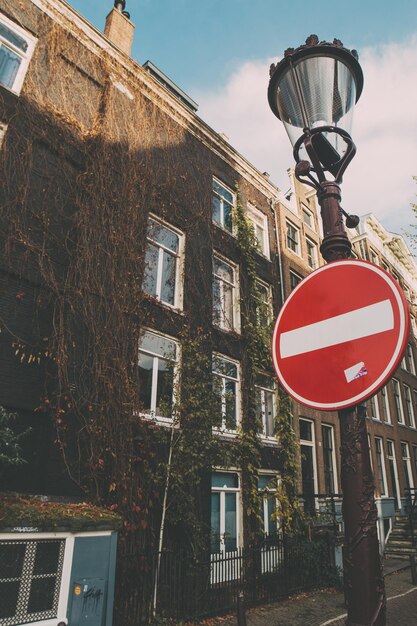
x=399 y=548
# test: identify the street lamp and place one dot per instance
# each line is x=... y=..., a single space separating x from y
x=313 y=91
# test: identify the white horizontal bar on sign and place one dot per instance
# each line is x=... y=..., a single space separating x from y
x=363 y=322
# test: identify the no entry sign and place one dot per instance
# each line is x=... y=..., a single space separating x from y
x=340 y=335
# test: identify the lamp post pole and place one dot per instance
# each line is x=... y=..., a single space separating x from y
x=363 y=578
x=294 y=96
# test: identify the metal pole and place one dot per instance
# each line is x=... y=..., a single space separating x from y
x=364 y=582
x=241 y=611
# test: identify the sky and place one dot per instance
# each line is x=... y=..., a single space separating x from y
x=219 y=52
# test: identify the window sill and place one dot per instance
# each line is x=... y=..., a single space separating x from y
x=270 y=441
x=407 y=426
x=224 y=230
x=158 y=419
x=224 y=434
x=165 y=305
x=229 y=331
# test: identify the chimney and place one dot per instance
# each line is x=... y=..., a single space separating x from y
x=119 y=29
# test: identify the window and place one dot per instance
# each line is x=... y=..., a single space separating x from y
x=374 y=408
x=307 y=216
x=329 y=460
x=294 y=279
x=293 y=238
x=223 y=204
x=385 y=266
x=395 y=277
x=263 y=304
x=386 y=414
x=408 y=360
x=415 y=458
x=30 y=580
x=16 y=48
x=370 y=452
x=408 y=473
x=265 y=402
x=312 y=258
x=392 y=464
x=398 y=401
x=157 y=359
x=163 y=267
x=409 y=407
x=362 y=248
x=374 y=257
x=267 y=486
x=226 y=389
x=308 y=465
x=225 y=295
x=381 y=466
x=259 y=222
x=224 y=512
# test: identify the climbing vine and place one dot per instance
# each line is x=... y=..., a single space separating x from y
x=257 y=335
x=88 y=156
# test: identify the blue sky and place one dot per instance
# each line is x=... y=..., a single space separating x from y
x=219 y=52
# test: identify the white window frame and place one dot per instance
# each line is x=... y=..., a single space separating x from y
x=24 y=55
x=223 y=201
x=414 y=449
x=335 y=480
x=305 y=211
x=266 y=493
x=373 y=257
x=224 y=321
x=267 y=302
x=151 y=413
x=222 y=491
x=398 y=404
x=294 y=273
x=408 y=360
x=392 y=457
x=179 y=264
x=382 y=458
x=385 y=402
x=409 y=406
x=370 y=452
x=373 y=403
x=257 y=218
x=223 y=428
x=312 y=246
x=296 y=238
x=263 y=389
x=312 y=444
x=407 y=460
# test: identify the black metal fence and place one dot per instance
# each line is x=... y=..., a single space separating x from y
x=411 y=510
x=191 y=589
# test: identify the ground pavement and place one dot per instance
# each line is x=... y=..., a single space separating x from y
x=326 y=608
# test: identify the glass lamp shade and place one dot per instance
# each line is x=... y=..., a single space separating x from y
x=316 y=86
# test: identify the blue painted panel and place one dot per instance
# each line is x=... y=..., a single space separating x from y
x=91 y=592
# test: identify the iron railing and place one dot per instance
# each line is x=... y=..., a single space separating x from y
x=188 y=588
x=411 y=510
x=324 y=509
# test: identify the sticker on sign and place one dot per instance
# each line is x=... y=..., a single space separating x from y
x=340 y=334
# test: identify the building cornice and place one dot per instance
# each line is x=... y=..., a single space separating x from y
x=94 y=40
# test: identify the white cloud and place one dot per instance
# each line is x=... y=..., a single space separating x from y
x=379 y=179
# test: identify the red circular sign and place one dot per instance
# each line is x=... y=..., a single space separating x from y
x=340 y=335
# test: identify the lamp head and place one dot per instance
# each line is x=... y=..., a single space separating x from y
x=313 y=86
